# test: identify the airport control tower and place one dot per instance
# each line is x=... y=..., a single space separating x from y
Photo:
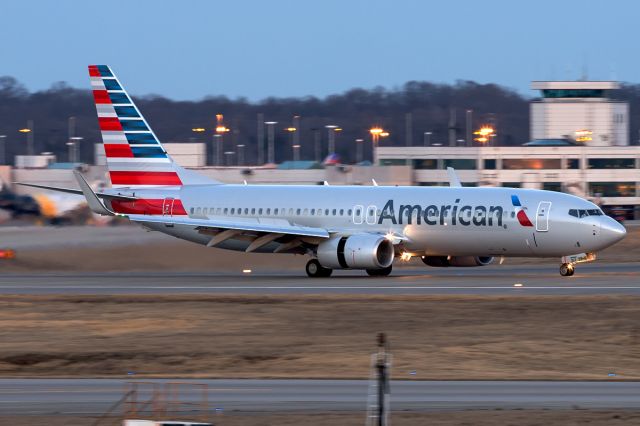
x=581 y=111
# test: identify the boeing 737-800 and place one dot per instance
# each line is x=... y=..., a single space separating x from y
x=338 y=227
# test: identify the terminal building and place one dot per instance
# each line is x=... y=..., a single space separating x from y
x=580 y=145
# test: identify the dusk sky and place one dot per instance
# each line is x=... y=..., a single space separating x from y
x=256 y=49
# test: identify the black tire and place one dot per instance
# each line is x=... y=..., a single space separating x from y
x=383 y=272
x=567 y=269
x=316 y=270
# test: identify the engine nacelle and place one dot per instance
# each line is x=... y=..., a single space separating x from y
x=359 y=251
x=460 y=261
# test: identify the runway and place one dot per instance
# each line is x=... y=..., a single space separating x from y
x=590 y=279
x=94 y=396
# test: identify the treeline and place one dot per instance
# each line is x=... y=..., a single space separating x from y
x=355 y=111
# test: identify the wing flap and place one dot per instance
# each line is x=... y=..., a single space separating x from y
x=302 y=231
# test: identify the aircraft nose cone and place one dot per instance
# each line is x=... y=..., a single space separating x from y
x=612 y=231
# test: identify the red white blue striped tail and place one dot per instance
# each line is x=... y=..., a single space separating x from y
x=135 y=156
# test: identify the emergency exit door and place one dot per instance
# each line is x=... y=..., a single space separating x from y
x=542 y=216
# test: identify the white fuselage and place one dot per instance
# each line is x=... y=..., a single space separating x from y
x=432 y=221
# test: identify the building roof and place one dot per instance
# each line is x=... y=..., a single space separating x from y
x=575 y=84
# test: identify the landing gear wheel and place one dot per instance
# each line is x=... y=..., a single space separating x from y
x=316 y=270
x=566 y=269
x=384 y=272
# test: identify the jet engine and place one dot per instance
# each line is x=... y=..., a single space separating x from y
x=461 y=261
x=359 y=251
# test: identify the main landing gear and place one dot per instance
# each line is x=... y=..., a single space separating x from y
x=567 y=269
x=316 y=270
x=380 y=272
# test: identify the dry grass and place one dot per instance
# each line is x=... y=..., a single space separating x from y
x=440 y=337
x=448 y=418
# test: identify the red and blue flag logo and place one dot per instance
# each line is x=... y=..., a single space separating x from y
x=521 y=214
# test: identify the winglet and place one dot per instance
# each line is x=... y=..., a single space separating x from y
x=453 y=178
x=93 y=201
x=373 y=181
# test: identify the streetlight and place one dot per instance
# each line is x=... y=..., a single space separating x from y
x=229 y=156
x=359 y=147
x=271 y=150
x=427 y=138
x=332 y=129
x=376 y=134
x=29 y=132
x=240 y=148
x=74 y=149
x=485 y=133
x=217 y=137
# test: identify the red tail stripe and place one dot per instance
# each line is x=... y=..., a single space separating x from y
x=101 y=97
x=118 y=150
x=109 y=123
x=148 y=206
x=93 y=71
x=145 y=178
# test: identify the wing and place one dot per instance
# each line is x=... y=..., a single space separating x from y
x=290 y=237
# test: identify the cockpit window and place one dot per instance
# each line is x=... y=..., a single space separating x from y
x=580 y=213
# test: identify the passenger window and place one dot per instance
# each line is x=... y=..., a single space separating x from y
x=260 y=211
x=290 y=212
x=198 y=210
x=298 y=212
x=226 y=210
x=246 y=211
x=218 y=210
x=334 y=212
x=349 y=212
x=341 y=212
x=253 y=210
x=275 y=212
x=268 y=212
x=191 y=210
x=319 y=212
x=233 y=211
x=313 y=211
x=326 y=212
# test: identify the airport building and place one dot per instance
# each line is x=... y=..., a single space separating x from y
x=580 y=145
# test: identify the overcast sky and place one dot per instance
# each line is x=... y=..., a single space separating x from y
x=190 y=49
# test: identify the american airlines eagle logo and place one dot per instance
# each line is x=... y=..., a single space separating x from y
x=521 y=214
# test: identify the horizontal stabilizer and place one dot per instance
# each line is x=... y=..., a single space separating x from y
x=77 y=191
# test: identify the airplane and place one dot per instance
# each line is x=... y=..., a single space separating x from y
x=338 y=227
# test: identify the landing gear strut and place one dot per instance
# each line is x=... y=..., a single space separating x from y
x=316 y=270
x=567 y=269
x=380 y=272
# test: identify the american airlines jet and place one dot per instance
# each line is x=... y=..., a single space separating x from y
x=338 y=227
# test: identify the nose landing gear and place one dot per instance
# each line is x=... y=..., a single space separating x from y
x=567 y=269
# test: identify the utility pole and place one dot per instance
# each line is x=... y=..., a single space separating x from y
x=359 y=150
x=379 y=388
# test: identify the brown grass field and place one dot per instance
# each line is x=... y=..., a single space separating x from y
x=440 y=337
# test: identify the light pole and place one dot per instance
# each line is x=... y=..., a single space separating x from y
x=271 y=149
x=3 y=149
x=332 y=128
x=229 y=156
x=74 y=156
x=240 y=148
x=375 y=138
x=427 y=138
x=359 y=147
x=293 y=131
x=317 y=145
x=29 y=132
x=296 y=152
x=218 y=149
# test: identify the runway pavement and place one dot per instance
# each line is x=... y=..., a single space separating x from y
x=623 y=278
x=94 y=396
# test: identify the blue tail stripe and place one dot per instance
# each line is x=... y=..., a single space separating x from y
x=515 y=201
